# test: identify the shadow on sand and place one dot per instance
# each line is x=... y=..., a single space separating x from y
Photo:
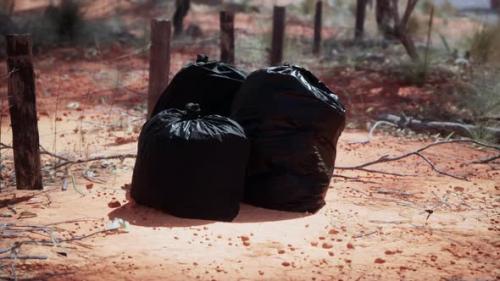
x=144 y=216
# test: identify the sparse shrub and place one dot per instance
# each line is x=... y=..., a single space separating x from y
x=480 y=95
x=426 y=6
x=485 y=45
x=413 y=73
x=308 y=6
x=65 y=24
x=414 y=26
x=479 y=101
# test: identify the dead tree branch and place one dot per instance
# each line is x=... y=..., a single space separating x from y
x=4 y=146
x=66 y=161
x=43 y=151
x=372 y=130
x=24 y=258
x=98 y=158
x=46 y=152
x=400 y=29
x=486 y=160
x=466 y=130
x=7 y=75
x=418 y=152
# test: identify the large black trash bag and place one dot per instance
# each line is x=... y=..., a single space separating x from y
x=293 y=122
x=191 y=166
x=211 y=84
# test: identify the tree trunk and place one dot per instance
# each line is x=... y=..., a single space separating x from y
x=318 y=27
x=181 y=10
x=360 y=19
x=383 y=17
x=400 y=26
x=408 y=44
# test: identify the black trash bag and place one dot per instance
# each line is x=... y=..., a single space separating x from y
x=293 y=122
x=191 y=166
x=211 y=84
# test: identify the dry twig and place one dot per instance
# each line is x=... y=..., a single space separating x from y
x=7 y=75
x=98 y=158
x=418 y=152
x=486 y=160
x=372 y=130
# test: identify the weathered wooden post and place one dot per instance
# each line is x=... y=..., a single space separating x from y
x=159 y=60
x=278 y=38
x=317 y=27
x=227 y=37
x=359 y=29
x=22 y=106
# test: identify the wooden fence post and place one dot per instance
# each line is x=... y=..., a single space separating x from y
x=159 y=61
x=227 y=37
x=22 y=105
x=317 y=27
x=278 y=39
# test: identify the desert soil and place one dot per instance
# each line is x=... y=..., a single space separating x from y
x=421 y=226
x=374 y=227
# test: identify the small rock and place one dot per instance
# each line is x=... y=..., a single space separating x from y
x=333 y=232
x=327 y=246
x=114 y=204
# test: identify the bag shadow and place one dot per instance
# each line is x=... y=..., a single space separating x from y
x=140 y=215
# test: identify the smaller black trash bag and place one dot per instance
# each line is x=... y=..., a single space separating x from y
x=191 y=166
x=212 y=84
x=293 y=122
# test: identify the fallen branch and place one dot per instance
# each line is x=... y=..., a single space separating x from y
x=67 y=161
x=354 y=179
x=4 y=146
x=46 y=152
x=24 y=258
x=365 y=234
x=98 y=158
x=486 y=160
x=418 y=152
x=372 y=130
x=43 y=151
x=466 y=130
x=7 y=75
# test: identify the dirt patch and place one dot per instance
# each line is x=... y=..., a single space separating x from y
x=374 y=227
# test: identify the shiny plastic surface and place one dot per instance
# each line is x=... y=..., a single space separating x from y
x=293 y=122
x=211 y=84
x=191 y=165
